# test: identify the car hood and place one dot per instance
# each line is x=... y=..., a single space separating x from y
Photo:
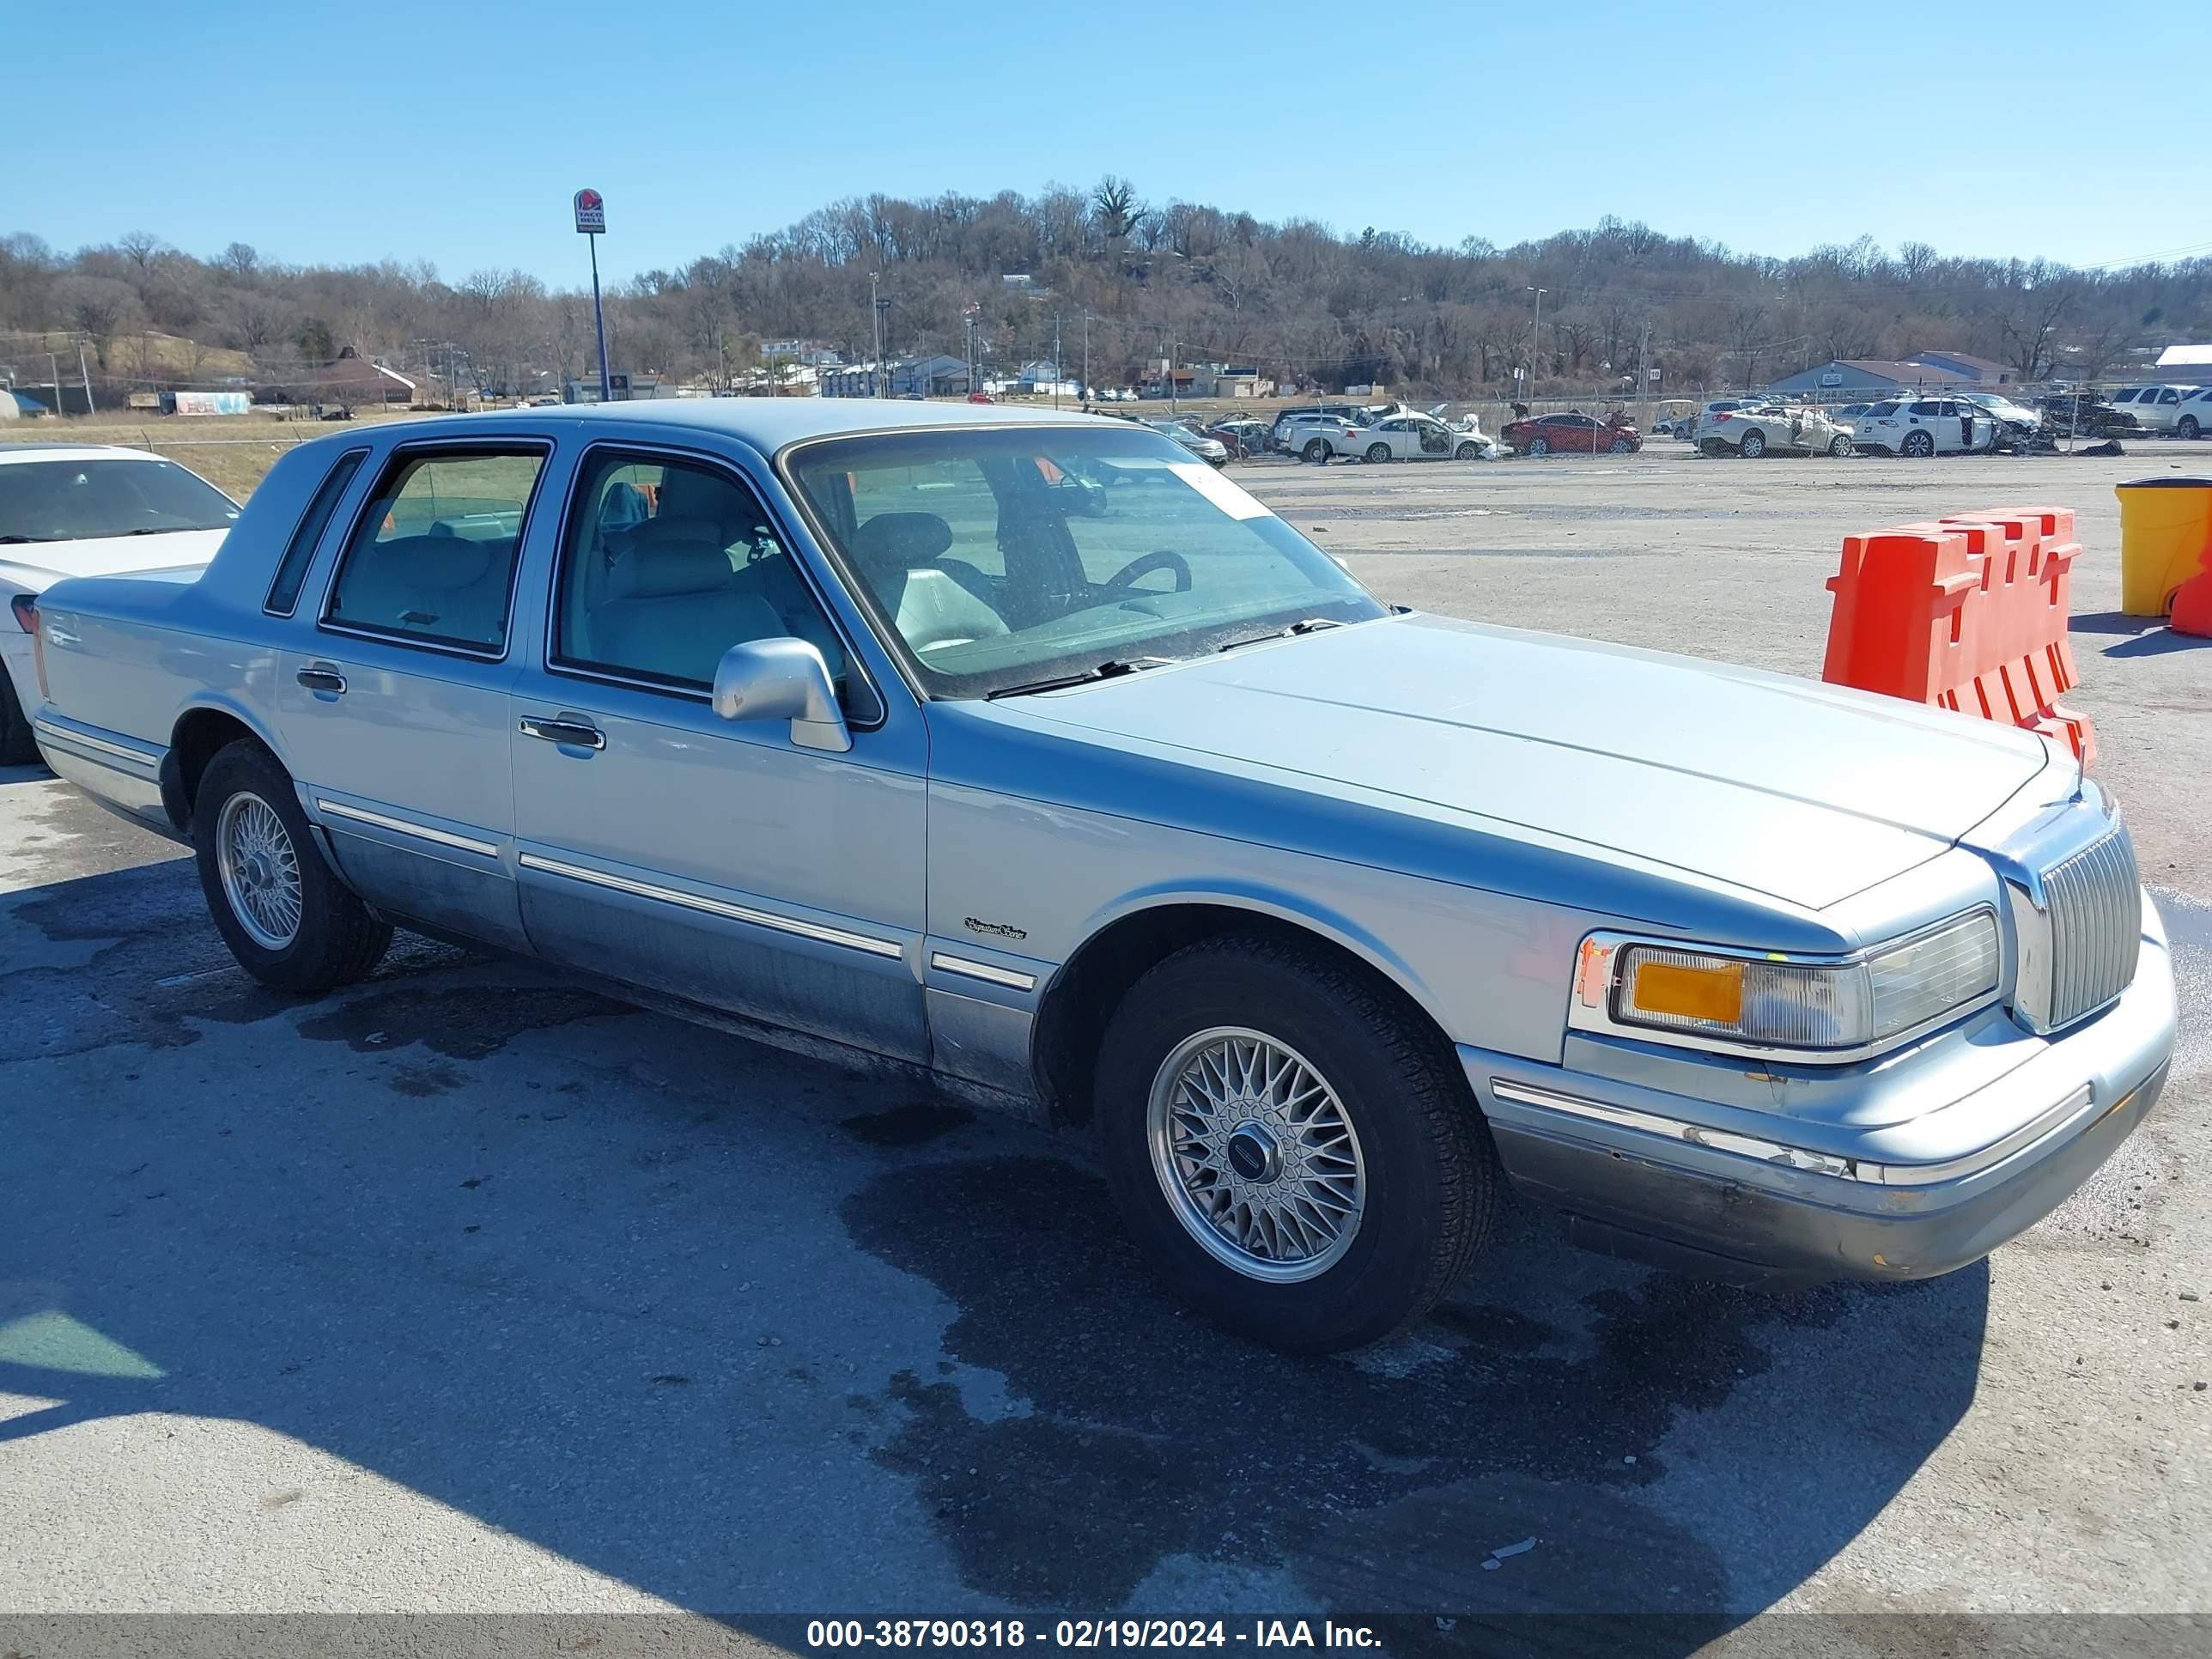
x=42 y=563
x=1787 y=787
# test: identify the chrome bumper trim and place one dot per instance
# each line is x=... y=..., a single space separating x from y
x=873 y=947
x=42 y=727
x=2076 y=1111
x=404 y=827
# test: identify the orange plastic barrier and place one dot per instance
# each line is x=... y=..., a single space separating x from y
x=1965 y=613
x=2192 y=603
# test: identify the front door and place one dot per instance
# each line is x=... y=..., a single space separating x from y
x=713 y=859
x=396 y=719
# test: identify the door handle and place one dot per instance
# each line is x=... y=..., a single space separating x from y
x=322 y=680
x=577 y=734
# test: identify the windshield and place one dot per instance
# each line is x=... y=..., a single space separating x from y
x=999 y=559
x=82 y=501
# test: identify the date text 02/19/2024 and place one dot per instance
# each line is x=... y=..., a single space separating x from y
x=824 y=1634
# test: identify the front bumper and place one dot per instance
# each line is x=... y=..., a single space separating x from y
x=1775 y=1199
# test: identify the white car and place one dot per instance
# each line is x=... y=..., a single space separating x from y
x=2194 y=418
x=1773 y=430
x=1694 y=428
x=87 y=510
x=1411 y=438
x=1920 y=426
x=2157 y=407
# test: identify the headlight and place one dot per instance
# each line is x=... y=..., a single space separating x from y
x=1830 y=1009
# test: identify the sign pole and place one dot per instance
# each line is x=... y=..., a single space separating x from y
x=592 y=221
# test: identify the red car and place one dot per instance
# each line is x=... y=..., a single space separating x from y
x=1571 y=435
x=979 y=397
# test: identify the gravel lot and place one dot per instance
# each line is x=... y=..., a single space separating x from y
x=471 y=1292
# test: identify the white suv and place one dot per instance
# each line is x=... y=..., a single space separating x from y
x=2194 y=418
x=2156 y=408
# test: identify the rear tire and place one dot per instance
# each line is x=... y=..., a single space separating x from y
x=281 y=910
x=1917 y=445
x=1378 y=453
x=18 y=746
x=1539 y=446
x=1197 y=1149
x=1753 y=446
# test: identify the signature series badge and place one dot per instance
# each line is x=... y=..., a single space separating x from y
x=996 y=929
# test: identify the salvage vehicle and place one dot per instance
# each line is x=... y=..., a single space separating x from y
x=2195 y=419
x=1575 y=433
x=1920 y=426
x=2084 y=415
x=1300 y=414
x=1772 y=430
x=826 y=721
x=1412 y=438
x=1210 y=450
x=87 y=510
x=2157 y=409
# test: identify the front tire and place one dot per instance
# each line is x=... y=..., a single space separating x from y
x=281 y=910
x=2187 y=428
x=1621 y=447
x=1290 y=1147
x=18 y=745
x=1316 y=450
x=1839 y=448
x=1466 y=453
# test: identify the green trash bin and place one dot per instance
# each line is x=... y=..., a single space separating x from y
x=2164 y=526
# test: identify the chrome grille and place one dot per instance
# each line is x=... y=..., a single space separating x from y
x=2093 y=904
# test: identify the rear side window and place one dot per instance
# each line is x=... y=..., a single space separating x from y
x=307 y=535
x=2124 y=396
x=432 y=558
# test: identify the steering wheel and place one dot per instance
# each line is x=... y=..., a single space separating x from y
x=1130 y=573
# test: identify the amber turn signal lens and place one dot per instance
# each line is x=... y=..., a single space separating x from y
x=1713 y=992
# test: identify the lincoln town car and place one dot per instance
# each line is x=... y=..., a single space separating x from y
x=1030 y=752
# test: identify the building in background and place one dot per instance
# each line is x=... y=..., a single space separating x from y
x=938 y=376
x=1846 y=380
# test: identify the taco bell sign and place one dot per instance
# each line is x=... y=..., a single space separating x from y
x=590 y=213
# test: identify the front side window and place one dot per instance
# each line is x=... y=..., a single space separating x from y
x=667 y=563
x=1000 y=558
x=86 y=500
x=432 y=558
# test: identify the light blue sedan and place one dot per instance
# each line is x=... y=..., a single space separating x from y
x=1029 y=751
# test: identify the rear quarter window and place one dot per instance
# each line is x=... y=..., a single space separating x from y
x=307 y=535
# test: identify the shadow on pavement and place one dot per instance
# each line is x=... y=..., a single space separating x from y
x=757 y=1336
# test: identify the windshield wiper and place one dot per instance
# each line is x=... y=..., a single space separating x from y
x=1308 y=625
x=17 y=541
x=1104 y=671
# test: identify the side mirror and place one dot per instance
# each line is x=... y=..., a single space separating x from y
x=782 y=679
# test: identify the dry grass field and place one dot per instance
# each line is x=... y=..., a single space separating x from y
x=233 y=452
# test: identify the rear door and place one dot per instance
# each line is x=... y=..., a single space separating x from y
x=395 y=712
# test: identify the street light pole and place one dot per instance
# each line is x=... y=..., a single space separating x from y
x=1535 y=337
x=876 y=322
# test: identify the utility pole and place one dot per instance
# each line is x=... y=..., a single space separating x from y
x=83 y=371
x=1087 y=358
x=1172 y=345
x=1535 y=337
x=1056 y=360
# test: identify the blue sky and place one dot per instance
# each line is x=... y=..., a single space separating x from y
x=456 y=132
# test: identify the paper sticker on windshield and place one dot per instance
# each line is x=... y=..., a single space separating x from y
x=1218 y=489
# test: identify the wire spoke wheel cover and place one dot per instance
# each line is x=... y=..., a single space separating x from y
x=1257 y=1155
x=260 y=871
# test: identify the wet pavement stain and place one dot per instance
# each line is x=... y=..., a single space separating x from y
x=461 y=1022
x=1149 y=1435
x=913 y=1124
x=158 y=972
